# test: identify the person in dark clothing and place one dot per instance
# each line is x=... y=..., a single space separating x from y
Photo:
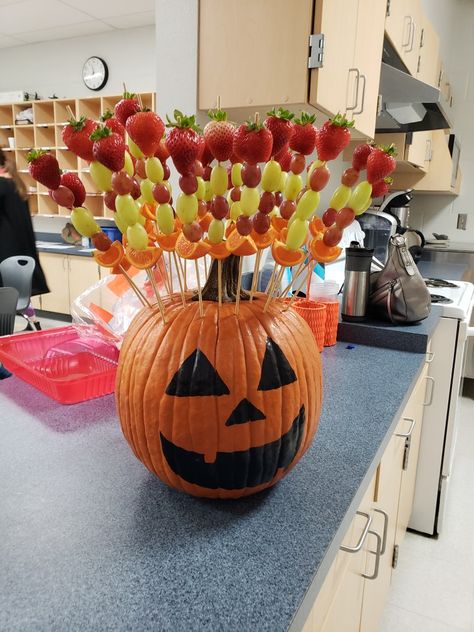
x=16 y=229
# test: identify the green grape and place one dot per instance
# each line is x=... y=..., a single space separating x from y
x=215 y=232
x=128 y=166
x=219 y=180
x=271 y=176
x=297 y=234
x=283 y=177
x=208 y=193
x=165 y=218
x=141 y=219
x=314 y=165
x=154 y=169
x=137 y=237
x=187 y=207
x=340 y=197
x=101 y=176
x=293 y=186
x=249 y=200
x=236 y=175
x=369 y=202
x=134 y=149
x=201 y=190
x=121 y=225
x=126 y=209
x=84 y=222
x=146 y=187
x=360 y=196
x=307 y=204
x=140 y=201
x=235 y=211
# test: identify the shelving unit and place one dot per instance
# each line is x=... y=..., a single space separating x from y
x=49 y=118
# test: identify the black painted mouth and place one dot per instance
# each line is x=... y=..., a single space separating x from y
x=237 y=470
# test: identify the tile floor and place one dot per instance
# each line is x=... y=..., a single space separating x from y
x=433 y=586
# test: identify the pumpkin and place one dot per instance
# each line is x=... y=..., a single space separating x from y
x=220 y=406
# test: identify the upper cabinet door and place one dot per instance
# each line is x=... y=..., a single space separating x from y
x=333 y=86
x=403 y=26
x=253 y=53
x=428 y=61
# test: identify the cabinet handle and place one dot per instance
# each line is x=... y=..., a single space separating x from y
x=385 y=529
x=412 y=36
x=357 y=72
x=428 y=152
x=360 y=544
x=430 y=401
x=407 y=435
x=429 y=357
x=410 y=20
x=361 y=109
x=377 y=553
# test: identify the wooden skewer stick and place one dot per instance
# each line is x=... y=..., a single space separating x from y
x=219 y=281
x=305 y=279
x=170 y=270
x=205 y=267
x=270 y=282
x=70 y=112
x=302 y=265
x=185 y=274
x=276 y=277
x=140 y=102
x=151 y=278
x=179 y=278
x=239 y=285
x=256 y=273
x=201 y=306
x=143 y=300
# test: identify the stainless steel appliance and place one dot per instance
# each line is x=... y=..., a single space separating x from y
x=378 y=228
x=356 y=283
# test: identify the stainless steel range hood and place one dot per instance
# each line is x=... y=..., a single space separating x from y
x=408 y=105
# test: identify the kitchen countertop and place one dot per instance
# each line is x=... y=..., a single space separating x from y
x=92 y=541
x=64 y=249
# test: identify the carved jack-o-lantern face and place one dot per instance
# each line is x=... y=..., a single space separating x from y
x=225 y=405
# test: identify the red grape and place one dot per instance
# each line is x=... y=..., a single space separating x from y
x=220 y=207
x=345 y=217
x=109 y=200
x=161 y=193
x=166 y=171
x=261 y=223
x=140 y=168
x=329 y=216
x=100 y=241
x=122 y=183
x=135 y=192
x=198 y=169
x=63 y=196
x=301 y=193
x=243 y=225
x=202 y=208
x=235 y=193
x=319 y=178
x=207 y=173
x=192 y=231
x=332 y=236
x=278 y=198
x=287 y=209
x=229 y=179
x=251 y=175
x=298 y=163
x=350 y=177
x=188 y=184
x=267 y=202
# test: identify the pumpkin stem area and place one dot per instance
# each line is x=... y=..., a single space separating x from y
x=230 y=275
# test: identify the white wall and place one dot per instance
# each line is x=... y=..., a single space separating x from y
x=56 y=66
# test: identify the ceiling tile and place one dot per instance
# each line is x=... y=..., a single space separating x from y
x=108 y=8
x=31 y=15
x=132 y=20
x=6 y=41
x=63 y=32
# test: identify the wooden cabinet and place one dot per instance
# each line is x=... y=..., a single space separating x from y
x=83 y=272
x=428 y=54
x=414 y=150
x=403 y=26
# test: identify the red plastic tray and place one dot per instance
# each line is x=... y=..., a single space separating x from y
x=64 y=365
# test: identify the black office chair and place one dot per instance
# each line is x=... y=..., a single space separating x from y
x=17 y=272
x=8 y=306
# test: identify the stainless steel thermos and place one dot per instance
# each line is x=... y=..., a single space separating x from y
x=356 y=283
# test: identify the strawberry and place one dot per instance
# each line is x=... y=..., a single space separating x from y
x=109 y=148
x=253 y=142
x=381 y=187
x=110 y=121
x=219 y=135
x=74 y=184
x=76 y=137
x=284 y=158
x=360 y=155
x=332 y=137
x=280 y=125
x=205 y=154
x=303 y=139
x=183 y=141
x=44 y=168
x=146 y=130
x=127 y=106
x=381 y=163
x=162 y=151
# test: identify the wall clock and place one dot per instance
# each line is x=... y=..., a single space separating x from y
x=95 y=73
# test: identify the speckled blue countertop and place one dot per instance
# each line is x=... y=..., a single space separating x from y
x=92 y=541
x=65 y=250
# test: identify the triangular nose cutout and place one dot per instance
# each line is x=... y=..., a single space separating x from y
x=244 y=412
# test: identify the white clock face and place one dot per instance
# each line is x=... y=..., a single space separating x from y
x=95 y=73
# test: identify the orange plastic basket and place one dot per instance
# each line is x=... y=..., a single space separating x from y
x=314 y=314
x=332 y=321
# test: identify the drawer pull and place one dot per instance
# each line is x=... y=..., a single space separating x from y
x=429 y=357
x=407 y=435
x=360 y=544
x=385 y=529
x=377 y=553
x=430 y=400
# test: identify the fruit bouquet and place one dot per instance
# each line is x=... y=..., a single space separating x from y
x=218 y=389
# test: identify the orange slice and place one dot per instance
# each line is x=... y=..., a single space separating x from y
x=168 y=242
x=241 y=245
x=279 y=222
x=191 y=250
x=317 y=227
x=218 y=251
x=148 y=211
x=125 y=264
x=265 y=240
x=283 y=234
x=142 y=259
x=229 y=228
x=111 y=257
x=322 y=253
x=205 y=221
x=286 y=257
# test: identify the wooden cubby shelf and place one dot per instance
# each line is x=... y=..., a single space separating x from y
x=49 y=117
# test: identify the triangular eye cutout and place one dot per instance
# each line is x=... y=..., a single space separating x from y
x=196 y=377
x=243 y=413
x=276 y=370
